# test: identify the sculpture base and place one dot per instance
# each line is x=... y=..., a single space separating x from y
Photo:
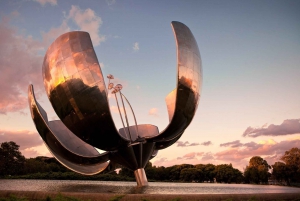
x=140 y=177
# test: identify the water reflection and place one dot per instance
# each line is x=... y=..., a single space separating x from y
x=130 y=187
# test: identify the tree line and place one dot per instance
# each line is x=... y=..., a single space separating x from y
x=287 y=171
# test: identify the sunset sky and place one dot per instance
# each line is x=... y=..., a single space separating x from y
x=250 y=50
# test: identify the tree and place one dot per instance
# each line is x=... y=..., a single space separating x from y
x=280 y=172
x=176 y=169
x=126 y=172
x=257 y=171
x=208 y=171
x=226 y=173
x=191 y=174
x=292 y=161
x=11 y=160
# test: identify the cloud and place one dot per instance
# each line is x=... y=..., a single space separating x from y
x=136 y=47
x=192 y=155
x=110 y=2
x=115 y=109
x=188 y=158
x=288 y=127
x=263 y=148
x=153 y=112
x=238 y=156
x=87 y=21
x=21 y=56
x=53 y=33
x=20 y=65
x=208 y=156
x=44 y=2
x=26 y=139
x=186 y=144
x=206 y=143
x=235 y=143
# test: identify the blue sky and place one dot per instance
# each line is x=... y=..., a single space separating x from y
x=250 y=100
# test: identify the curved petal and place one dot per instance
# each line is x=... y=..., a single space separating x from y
x=72 y=153
x=75 y=87
x=183 y=101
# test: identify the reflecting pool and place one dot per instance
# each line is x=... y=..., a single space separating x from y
x=130 y=187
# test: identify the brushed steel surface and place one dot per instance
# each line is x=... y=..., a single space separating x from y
x=140 y=177
x=189 y=81
x=143 y=130
x=81 y=157
x=75 y=87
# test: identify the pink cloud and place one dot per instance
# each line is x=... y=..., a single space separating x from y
x=189 y=158
x=288 y=127
x=207 y=143
x=238 y=156
x=44 y=2
x=186 y=144
x=232 y=144
x=54 y=32
x=153 y=112
x=266 y=149
x=88 y=21
x=26 y=139
x=20 y=65
x=21 y=56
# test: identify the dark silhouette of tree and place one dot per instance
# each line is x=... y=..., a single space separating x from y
x=191 y=174
x=292 y=161
x=280 y=172
x=227 y=174
x=257 y=171
x=11 y=160
x=176 y=169
x=126 y=172
x=208 y=171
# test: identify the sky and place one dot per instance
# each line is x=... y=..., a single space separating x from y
x=250 y=98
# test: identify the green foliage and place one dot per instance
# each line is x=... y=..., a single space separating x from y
x=257 y=171
x=289 y=171
x=14 y=165
x=208 y=172
x=176 y=170
x=126 y=172
x=292 y=161
x=13 y=198
x=116 y=198
x=72 y=176
x=11 y=160
x=191 y=174
x=227 y=174
x=59 y=197
x=280 y=171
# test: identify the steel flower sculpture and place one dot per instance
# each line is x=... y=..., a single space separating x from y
x=76 y=89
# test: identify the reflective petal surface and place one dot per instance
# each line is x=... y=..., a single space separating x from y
x=183 y=101
x=64 y=145
x=75 y=86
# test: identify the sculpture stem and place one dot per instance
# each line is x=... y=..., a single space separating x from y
x=121 y=117
x=140 y=177
x=126 y=117
x=136 y=127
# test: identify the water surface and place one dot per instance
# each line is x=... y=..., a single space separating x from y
x=130 y=187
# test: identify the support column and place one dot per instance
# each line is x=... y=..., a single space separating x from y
x=140 y=177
